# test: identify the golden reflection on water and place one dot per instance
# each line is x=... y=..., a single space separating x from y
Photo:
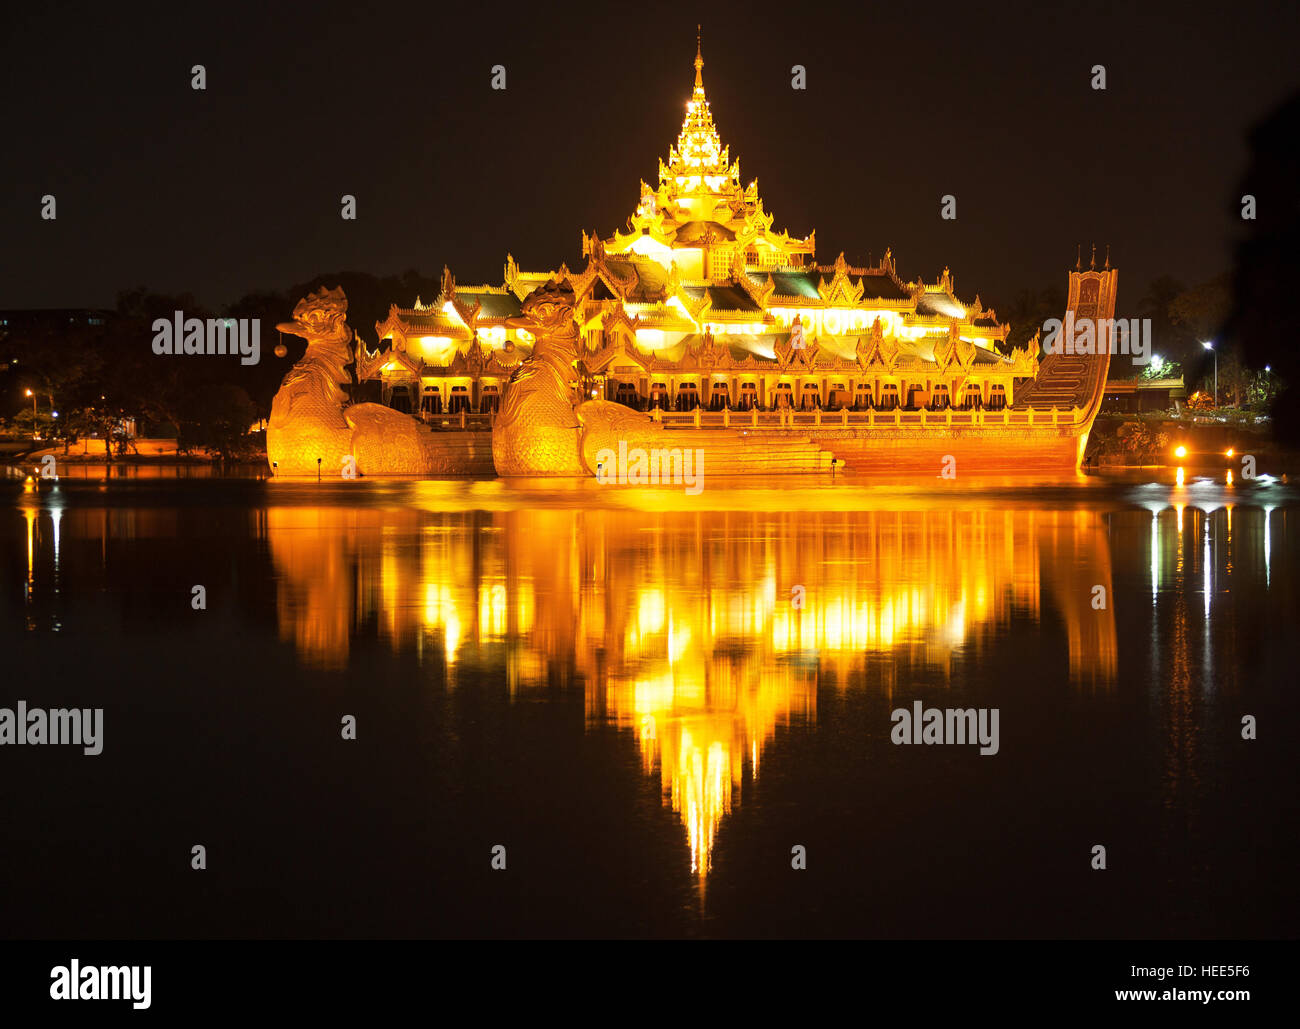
x=685 y=628
x=700 y=633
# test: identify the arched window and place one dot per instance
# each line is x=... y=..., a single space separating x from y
x=625 y=393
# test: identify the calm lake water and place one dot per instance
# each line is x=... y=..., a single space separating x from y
x=625 y=689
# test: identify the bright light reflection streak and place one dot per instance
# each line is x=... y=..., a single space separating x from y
x=56 y=516
x=31 y=531
x=1155 y=554
x=1268 y=548
x=1205 y=566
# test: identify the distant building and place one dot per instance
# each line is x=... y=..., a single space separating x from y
x=1133 y=396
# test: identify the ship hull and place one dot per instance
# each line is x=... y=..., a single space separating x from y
x=1028 y=451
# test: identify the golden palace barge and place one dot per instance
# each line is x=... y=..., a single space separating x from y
x=699 y=326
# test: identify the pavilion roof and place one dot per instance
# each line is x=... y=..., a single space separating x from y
x=789 y=282
x=695 y=231
x=723 y=298
x=496 y=304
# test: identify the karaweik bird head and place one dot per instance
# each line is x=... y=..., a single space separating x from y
x=320 y=317
x=547 y=311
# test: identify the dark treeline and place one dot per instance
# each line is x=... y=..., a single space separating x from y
x=1181 y=317
x=1248 y=314
x=1261 y=318
x=95 y=372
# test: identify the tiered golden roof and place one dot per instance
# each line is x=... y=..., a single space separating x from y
x=698 y=283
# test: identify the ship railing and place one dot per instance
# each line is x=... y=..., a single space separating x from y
x=784 y=418
x=847 y=419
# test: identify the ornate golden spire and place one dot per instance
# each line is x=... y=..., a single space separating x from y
x=699 y=62
x=699 y=151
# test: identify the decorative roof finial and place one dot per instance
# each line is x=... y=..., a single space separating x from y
x=1092 y=263
x=1107 y=257
x=1078 y=258
x=699 y=61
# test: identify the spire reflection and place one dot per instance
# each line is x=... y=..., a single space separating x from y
x=680 y=626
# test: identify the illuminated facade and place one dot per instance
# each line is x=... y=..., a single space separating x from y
x=703 y=316
x=699 y=308
x=701 y=303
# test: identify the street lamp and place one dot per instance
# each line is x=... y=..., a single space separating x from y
x=33 y=396
x=1209 y=345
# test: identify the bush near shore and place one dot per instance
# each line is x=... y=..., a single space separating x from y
x=1151 y=439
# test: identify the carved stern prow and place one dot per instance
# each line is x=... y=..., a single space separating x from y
x=1073 y=377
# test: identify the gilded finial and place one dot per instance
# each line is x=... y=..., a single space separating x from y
x=1092 y=263
x=1078 y=258
x=1107 y=257
x=699 y=61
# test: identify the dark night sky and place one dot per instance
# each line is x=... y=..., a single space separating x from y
x=237 y=188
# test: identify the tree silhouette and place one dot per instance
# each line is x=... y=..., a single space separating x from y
x=1262 y=322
